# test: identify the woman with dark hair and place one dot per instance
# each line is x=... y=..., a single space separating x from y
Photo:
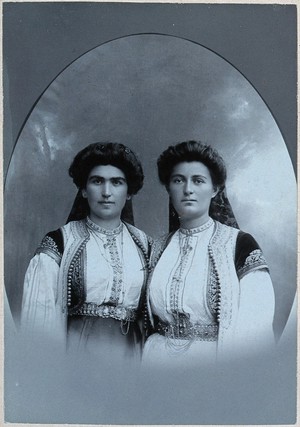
x=86 y=280
x=210 y=292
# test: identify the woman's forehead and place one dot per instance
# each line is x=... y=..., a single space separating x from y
x=191 y=168
x=107 y=171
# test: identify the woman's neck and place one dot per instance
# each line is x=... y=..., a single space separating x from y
x=193 y=222
x=110 y=224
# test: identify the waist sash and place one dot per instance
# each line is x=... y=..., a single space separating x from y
x=115 y=312
x=188 y=332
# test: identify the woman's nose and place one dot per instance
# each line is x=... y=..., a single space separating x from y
x=106 y=189
x=188 y=189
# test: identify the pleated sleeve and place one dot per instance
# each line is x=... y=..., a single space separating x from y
x=257 y=300
x=41 y=305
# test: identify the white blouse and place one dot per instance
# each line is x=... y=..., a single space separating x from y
x=114 y=267
x=183 y=267
x=179 y=283
x=114 y=272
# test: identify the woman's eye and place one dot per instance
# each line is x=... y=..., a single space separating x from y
x=117 y=182
x=177 y=180
x=96 y=181
x=198 y=181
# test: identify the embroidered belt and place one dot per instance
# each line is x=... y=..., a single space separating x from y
x=191 y=331
x=116 y=312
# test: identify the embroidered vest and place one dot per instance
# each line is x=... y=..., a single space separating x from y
x=222 y=248
x=71 y=274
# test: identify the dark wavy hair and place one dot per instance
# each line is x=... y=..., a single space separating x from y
x=190 y=151
x=108 y=153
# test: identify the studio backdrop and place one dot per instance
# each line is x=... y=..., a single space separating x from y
x=149 y=91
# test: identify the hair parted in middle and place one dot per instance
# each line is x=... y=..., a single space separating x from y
x=107 y=153
x=190 y=151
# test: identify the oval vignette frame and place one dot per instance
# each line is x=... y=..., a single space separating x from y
x=150 y=91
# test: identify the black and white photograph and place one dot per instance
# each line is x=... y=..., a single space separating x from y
x=150 y=213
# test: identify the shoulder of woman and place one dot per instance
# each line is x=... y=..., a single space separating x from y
x=244 y=238
x=159 y=245
x=52 y=245
x=164 y=239
x=137 y=231
x=248 y=255
x=224 y=233
x=54 y=242
x=140 y=235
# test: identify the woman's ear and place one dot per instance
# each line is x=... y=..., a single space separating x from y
x=128 y=197
x=83 y=192
x=216 y=190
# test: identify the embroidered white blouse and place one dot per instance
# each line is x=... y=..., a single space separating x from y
x=114 y=272
x=185 y=259
x=179 y=284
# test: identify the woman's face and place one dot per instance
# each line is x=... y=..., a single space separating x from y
x=191 y=190
x=106 y=192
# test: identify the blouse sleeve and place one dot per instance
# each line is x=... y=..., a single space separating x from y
x=248 y=255
x=41 y=310
x=256 y=311
x=256 y=303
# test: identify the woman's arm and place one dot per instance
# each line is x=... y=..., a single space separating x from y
x=41 y=309
x=254 y=329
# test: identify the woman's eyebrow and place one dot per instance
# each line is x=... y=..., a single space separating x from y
x=95 y=176
x=118 y=177
x=111 y=177
x=199 y=176
x=184 y=176
x=177 y=174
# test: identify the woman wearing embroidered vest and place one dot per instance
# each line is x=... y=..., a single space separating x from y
x=85 y=282
x=210 y=292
